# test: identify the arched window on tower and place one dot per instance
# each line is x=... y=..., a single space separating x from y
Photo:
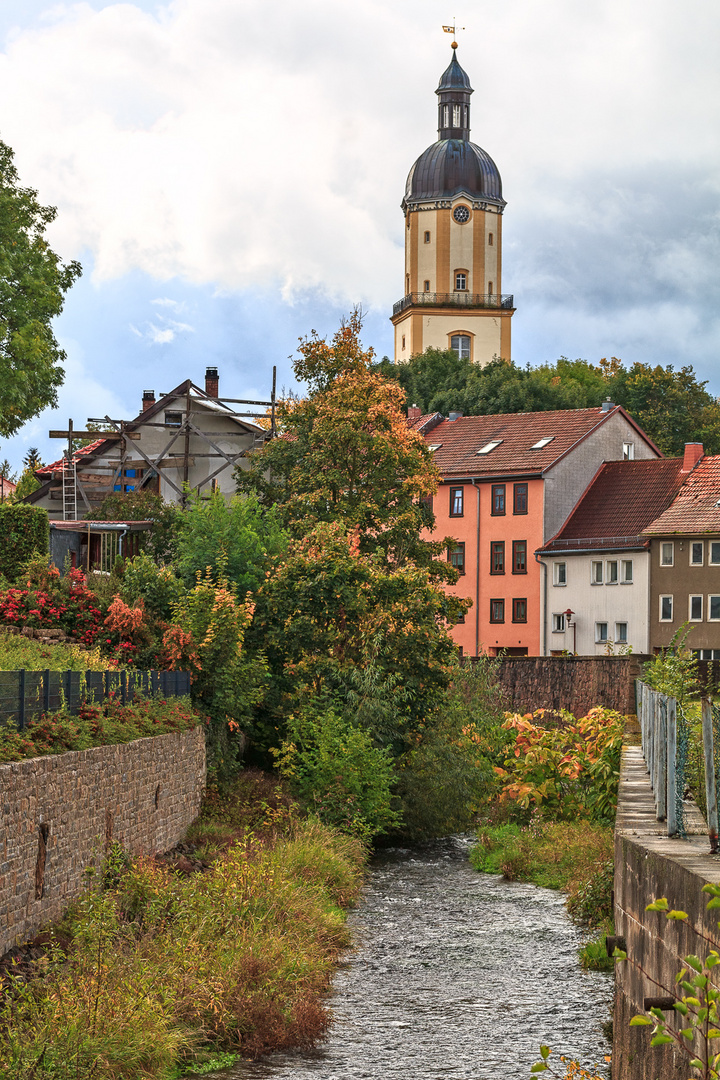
x=460 y=281
x=460 y=343
x=490 y=288
x=456 y=116
x=446 y=116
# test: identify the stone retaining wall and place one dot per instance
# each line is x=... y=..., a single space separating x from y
x=575 y=683
x=648 y=865
x=59 y=813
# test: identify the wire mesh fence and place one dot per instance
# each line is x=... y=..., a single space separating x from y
x=665 y=730
x=27 y=694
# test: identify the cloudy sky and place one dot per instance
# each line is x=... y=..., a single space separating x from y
x=229 y=174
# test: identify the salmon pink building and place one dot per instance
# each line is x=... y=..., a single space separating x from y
x=509 y=483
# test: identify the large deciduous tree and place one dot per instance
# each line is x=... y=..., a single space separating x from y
x=346 y=455
x=33 y=283
x=671 y=406
x=355 y=613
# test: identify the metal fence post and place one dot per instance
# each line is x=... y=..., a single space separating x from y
x=21 y=699
x=661 y=792
x=710 y=789
x=672 y=825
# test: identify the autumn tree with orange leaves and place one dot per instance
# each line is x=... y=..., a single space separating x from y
x=356 y=611
x=347 y=455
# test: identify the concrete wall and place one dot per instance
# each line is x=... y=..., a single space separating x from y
x=59 y=813
x=576 y=683
x=649 y=865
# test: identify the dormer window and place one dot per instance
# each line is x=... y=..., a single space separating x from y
x=542 y=442
x=490 y=446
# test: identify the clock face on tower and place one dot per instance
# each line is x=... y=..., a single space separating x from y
x=461 y=214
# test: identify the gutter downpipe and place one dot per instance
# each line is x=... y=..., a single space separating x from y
x=544 y=620
x=477 y=572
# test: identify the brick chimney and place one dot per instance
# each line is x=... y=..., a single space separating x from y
x=693 y=452
x=212 y=382
x=148 y=400
x=414 y=413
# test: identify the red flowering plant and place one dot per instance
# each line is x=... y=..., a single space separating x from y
x=130 y=636
x=45 y=600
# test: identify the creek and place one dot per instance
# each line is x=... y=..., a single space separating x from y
x=455 y=974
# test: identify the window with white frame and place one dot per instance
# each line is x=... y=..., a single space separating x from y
x=697 y=553
x=596 y=573
x=628 y=451
x=460 y=280
x=560 y=573
x=707 y=654
x=667 y=553
x=460 y=343
x=714 y=552
x=666 y=608
x=621 y=633
x=627 y=572
x=601 y=633
x=713 y=608
x=558 y=623
x=611 y=568
x=695 y=606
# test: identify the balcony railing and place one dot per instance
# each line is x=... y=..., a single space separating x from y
x=455 y=299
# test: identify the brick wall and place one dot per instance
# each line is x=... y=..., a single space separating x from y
x=58 y=813
x=575 y=683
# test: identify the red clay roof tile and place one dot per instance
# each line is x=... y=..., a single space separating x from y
x=460 y=440
x=622 y=500
x=696 y=508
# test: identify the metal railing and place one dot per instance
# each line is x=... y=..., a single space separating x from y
x=25 y=694
x=455 y=299
x=665 y=741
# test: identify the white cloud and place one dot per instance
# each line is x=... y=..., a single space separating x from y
x=204 y=142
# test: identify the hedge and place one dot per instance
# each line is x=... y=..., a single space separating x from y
x=24 y=530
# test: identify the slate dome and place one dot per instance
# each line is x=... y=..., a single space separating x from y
x=451 y=166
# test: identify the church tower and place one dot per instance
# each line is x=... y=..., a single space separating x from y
x=453 y=209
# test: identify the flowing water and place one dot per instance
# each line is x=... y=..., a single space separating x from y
x=456 y=974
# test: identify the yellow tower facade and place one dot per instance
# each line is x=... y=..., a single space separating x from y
x=453 y=208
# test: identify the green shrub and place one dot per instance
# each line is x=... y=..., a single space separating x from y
x=335 y=770
x=238 y=541
x=143 y=579
x=24 y=530
x=450 y=772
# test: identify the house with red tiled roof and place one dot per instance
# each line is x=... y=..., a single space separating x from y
x=684 y=552
x=509 y=483
x=596 y=569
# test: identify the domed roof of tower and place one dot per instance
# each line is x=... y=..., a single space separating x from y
x=454 y=78
x=452 y=166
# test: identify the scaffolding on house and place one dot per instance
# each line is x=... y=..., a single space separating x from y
x=119 y=463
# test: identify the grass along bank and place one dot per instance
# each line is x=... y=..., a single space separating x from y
x=163 y=965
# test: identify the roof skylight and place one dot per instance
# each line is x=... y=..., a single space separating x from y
x=489 y=446
x=434 y=446
x=542 y=442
